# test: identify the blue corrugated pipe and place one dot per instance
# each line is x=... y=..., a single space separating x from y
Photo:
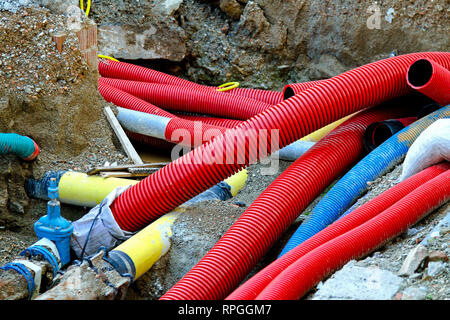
x=13 y=143
x=354 y=182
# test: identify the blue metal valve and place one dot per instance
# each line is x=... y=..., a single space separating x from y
x=54 y=227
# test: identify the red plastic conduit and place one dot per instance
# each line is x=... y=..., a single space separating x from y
x=267 y=96
x=221 y=122
x=292 y=89
x=222 y=269
x=292 y=192
x=431 y=79
x=128 y=101
x=127 y=71
x=295 y=117
x=252 y=287
x=307 y=271
x=188 y=99
x=150 y=141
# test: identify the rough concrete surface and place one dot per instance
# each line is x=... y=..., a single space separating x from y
x=357 y=283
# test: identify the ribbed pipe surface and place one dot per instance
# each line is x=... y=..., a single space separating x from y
x=431 y=79
x=294 y=118
x=354 y=182
x=307 y=271
x=188 y=99
x=292 y=89
x=227 y=263
x=127 y=71
x=254 y=286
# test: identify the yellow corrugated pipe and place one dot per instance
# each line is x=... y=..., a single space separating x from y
x=319 y=134
x=237 y=181
x=152 y=242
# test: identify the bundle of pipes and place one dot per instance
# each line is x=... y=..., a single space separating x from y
x=143 y=119
x=354 y=182
x=305 y=112
x=255 y=286
x=192 y=129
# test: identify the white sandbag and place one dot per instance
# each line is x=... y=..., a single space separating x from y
x=431 y=147
x=98 y=227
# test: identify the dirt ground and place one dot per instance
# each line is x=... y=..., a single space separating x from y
x=52 y=97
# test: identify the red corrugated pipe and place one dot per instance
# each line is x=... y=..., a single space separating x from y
x=307 y=271
x=128 y=101
x=221 y=122
x=127 y=71
x=431 y=79
x=187 y=99
x=277 y=207
x=254 y=286
x=292 y=89
x=295 y=117
x=267 y=96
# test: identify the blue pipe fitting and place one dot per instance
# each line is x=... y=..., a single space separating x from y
x=54 y=227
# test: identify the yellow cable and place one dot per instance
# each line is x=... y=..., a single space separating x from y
x=106 y=57
x=88 y=8
x=228 y=86
x=79 y=189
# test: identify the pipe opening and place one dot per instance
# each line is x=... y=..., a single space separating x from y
x=420 y=73
x=288 y=93
x=381 y=133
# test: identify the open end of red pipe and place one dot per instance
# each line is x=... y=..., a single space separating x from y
x=288 y=93
x=420 y=73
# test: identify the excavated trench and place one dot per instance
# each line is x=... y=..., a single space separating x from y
x=52 y=97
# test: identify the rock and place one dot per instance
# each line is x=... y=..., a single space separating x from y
x=414 y=293
x=143 y=41
x=359 y=283
x=411 y=232
x=435 y=268
x=413 y=261
x=328 y=66
x=438 y=256
x=438 y=231
x=231 y=8
x=168 y=7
